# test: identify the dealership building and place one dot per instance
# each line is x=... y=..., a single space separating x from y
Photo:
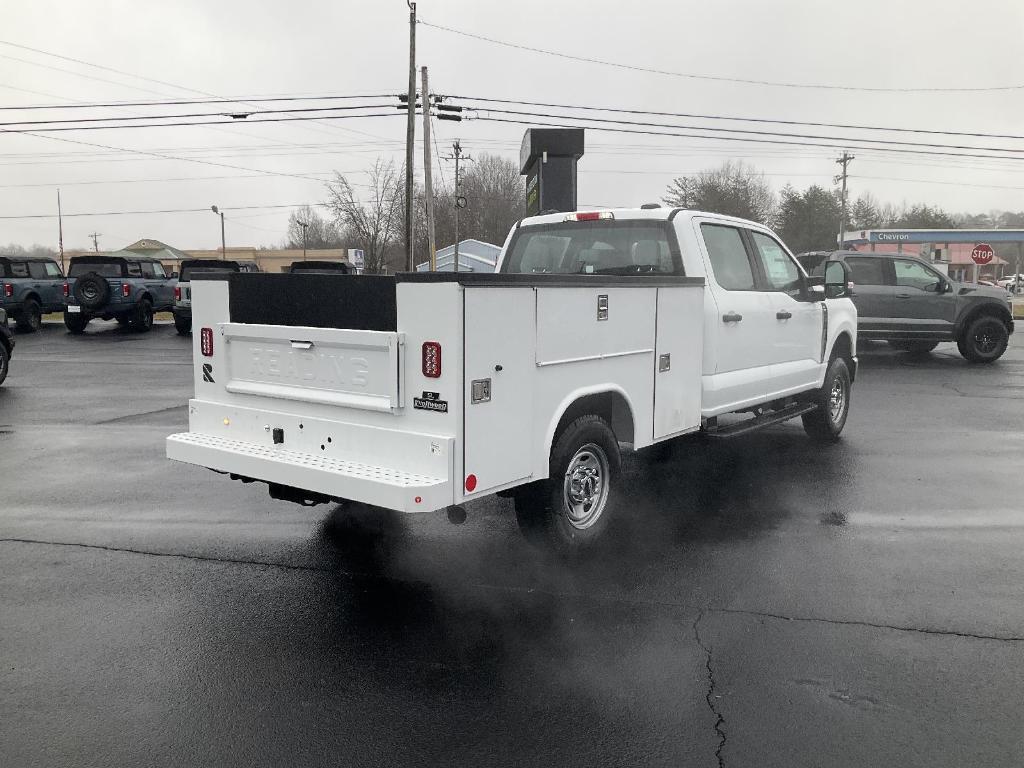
x=960 y=253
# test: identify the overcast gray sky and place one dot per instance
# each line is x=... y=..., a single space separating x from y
x=245 y=48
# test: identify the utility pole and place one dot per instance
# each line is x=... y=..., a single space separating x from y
x=303 y=224
x=95 y=241
x=843 y=161
x=460 y=201
x=60 y=232
x=428 y=182
x=410 y=138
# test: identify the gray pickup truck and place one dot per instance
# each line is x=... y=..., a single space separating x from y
x=905 y=301
x=29 y=287
x=128 y=288
x=183 y=290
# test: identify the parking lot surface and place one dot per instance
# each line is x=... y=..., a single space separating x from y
x=769 y=602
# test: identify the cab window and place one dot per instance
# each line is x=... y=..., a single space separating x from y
x=730 y=262
x=912 y=274
x=780 y=270
x=866 y=271
x=52 y=270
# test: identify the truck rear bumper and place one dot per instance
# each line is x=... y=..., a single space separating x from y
x=337 y=478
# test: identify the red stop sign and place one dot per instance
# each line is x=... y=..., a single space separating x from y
x=982 y=253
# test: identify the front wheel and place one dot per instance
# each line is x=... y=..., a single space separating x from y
x=5 y=362
x=571 y=510
x=825 y=423
x=985 y=340
x=31 y=316
x=75 y=322
x=143 y=319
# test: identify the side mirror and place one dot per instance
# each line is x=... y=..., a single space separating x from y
x=837 y=280
x=814 y=288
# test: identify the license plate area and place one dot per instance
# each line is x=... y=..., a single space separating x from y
x=356 y=369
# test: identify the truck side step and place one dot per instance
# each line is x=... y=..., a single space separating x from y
x=758 y=422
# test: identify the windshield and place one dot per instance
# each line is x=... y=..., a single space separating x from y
x=604 y=247
x=103 y=268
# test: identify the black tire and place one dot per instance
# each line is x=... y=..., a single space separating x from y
x=30 y=318
x=984 y=340
x=92 y=291
x=5 y=362
x=572 y=510
x=826 y=422
x=143 y=317
x=183 y=325
x=914 y=347
x=75 y=323
x=123 y=320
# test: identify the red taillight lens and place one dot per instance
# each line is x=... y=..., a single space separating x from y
x=177 y=293
x=67 y=290
x=206 y=342
x=589 y=216
x=125 y=290
x=8 y=290
x=431 y=359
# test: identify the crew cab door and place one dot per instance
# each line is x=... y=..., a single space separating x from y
x=796 y=325
x=737 y=337
x=918 y=305
x=872 y=294
x=157 y=284
x=42 y=285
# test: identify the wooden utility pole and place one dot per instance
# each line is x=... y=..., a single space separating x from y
x=410 y=138
x=60 y=232
x=843 y=161
x=95 y=241
x=460 y=201
x=428 y=183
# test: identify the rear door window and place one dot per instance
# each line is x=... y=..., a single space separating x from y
x=134 y=270
x=147 y=269
x=866 y=271
x=730 y=261
x=37 y=270
x=19 y=269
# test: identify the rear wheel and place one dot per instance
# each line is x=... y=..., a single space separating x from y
x=183 y=325
x=5 y=361
x=31 y=316
x=75 y=322
x=985 y=340
x=571 y=511
x=826 y=422
x=123 y=320
x=143 y=319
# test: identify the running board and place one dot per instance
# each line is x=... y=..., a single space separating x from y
x=759 y=422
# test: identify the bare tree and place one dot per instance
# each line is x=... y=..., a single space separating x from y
x=735 y=189
x=320 y=232
x=376 y=226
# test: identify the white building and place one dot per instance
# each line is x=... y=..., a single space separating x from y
x=474 y=256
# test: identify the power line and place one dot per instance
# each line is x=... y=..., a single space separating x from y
x=715 y=78
x=164 y=210
x=690 y=115
x=149 y=181
x=750 y=131
x=637 y=131
x=185 y=102
x=204 y=122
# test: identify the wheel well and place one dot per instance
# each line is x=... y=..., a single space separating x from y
x=985 y=309
x=843 y=348
x=611 y=406
x=32 y=295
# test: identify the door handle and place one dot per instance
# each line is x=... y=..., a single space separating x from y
x=902 y=295
x=731 y=317
x=301 y=344
x=783 y=315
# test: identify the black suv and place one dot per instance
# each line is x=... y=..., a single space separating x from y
x=127 y=288
x=29 y=287
x=905 y=301
x=322 y=266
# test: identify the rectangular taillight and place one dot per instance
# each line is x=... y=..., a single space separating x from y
x=177 y=293
x=67 y=290
x=126 y=290
x=589 y=216
x=206 y=342
x=8 y=290
x=431 y=359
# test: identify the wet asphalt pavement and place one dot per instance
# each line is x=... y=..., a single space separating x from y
x=769 y=603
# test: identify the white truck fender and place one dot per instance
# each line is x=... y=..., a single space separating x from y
x=568 y=401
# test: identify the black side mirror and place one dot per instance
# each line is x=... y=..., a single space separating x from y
x=837 y=280
x=814 y=288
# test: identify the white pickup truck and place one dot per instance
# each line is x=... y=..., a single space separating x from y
x=425 y=391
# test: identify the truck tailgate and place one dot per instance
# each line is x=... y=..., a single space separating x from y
x=354 y=369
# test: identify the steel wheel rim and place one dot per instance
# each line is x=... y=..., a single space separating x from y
x=585 y=486
x=837 y=399
x=986 y=339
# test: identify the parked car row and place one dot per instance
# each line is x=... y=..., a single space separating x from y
x=905 y=301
